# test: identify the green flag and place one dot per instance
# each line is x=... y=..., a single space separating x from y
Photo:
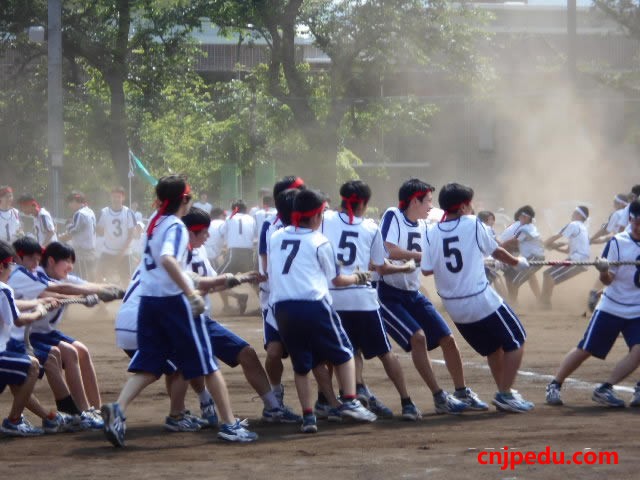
x=136 y=167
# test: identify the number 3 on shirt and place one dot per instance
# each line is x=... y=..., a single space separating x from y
x=449 y=251
x=295 y=244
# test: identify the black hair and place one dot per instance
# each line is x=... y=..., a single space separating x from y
x=485 y=215
x=196 y=216
x=6 y=250
x=357 y=188
x=27 y=246
x=634 y=208
x=216 y=212
x=585 y=209
x=58 y=251
x=171 y=188
x=453 y=195
x=267 y=201
x=239 y=206
x=285 y=183
x=26 y=198
x=284 y=204
x=636 y=190
x=76 y=196
x=413 y=187
x=118 y=189
x=527 y=210
x=306 y=201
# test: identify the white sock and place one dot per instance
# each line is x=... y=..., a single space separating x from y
x=205 y=397
x=277 y=388
x=270 y=400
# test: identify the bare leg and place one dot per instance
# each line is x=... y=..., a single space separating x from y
x=22 y=393
x=394 y=371
x=346 y=375
x=323 y=377
x=453 y=360
x=253 y=371
x=53 y=372
x=218 y=388
x=421 y=360
x=512 y=362
x=535 y=286
x=571 y=362
x=273 y=363
x=89 y=378
x=177 y=387
x=303 y=387
x=625 y=366
x=69 y=356
x=496 y=365
x=357 y=358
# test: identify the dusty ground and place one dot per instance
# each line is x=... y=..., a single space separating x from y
x=437 y=447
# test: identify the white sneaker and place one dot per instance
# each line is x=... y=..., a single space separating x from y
x=553 y=396
x=635 y=400
x=355 y=410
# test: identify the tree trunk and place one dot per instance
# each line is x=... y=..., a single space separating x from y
x=118 y=143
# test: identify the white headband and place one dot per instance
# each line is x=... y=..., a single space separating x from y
x=582 y=212
x=620 y=200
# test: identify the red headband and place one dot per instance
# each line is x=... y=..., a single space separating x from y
x=198 y=227
x=5 y=190
x=163 y=208
x=297 y=183
x=349 y=202
x=454 y=209
x=297 y=216
x=234 y=211
x=405 y=203
x=7 y=261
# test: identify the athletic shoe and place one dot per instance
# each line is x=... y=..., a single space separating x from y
x=362 y=394
x=114 y=424
x=199 y=421
x=334 y=415
x=593 y=300
x=355 y=410
x=235 y=432
x=180 y=424
x=62 y=422
x=309 y=424
x=89 y=420
x=208 y=411
x=607 y=397
x=322 y=410
x=635 y=400
x=529 y=405
x=471 y=399
x=379 y=408
x=279 y=394
x=553 y=396
x=508 y=402
x=280 y=415
x=242 y=303
x=21 y=429
x=411 y=412
x=447 y=403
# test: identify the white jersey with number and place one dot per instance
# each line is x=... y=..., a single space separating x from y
x=43 y=225
x=51 y=320
x=578 y=236
x=528 y=236
x=268 y=229
x=8 y=314
x=117 y=225
x=263 y=214
x=26 y=285
x=455 y=251
x=355 y=245
x=215 y=242
x=83 y=229
x=622 y=297
x=301 y=265
x=9 y=224
x=170 y=238
x=127 y=317
x=399 y=230
x=239 y=231
x=197 y=262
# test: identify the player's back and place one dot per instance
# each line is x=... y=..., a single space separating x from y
x=84 y=233
x=43 y=224
x=9 y=224
x=239 y=231
x=300 y=260
x=397 y=229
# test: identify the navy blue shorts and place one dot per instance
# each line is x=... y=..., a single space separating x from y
x=226 y=344
x=405 y=312
x=169 y=369
x=603 y=330
x=501 y=329
x=168 y=331
x=312 y=333
x=366 y=332
x=270 y=333
x=49 y=339
x=14 y=369
x=41 y=353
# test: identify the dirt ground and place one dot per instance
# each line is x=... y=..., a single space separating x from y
x=437 y=447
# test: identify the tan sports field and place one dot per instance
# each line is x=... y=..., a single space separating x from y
x=438 y=447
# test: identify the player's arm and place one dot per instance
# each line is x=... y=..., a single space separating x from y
x=550 y=242
x=510 y=244
x=389 y=268
x=171 y=265
x=68 y=288
x=399 y=253
x=502 y=255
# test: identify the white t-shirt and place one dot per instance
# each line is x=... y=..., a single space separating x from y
x=400 y=231
x=9 y=224
x=8 y=314
x=215 y=242
x=268 y=229
x=616 y=221
x=622 y=297
x=301 y=265
x=578 y=236
x=26 y=286
x=261 y=215
x=198 y=262
x=529 y=241
x=43 y=225
x=239 y=231
x=455 y=251
x=170 y=237
x=355 y=245
x=117 y=225
x=83 y=229
x=127 y=317
x=51 y=320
